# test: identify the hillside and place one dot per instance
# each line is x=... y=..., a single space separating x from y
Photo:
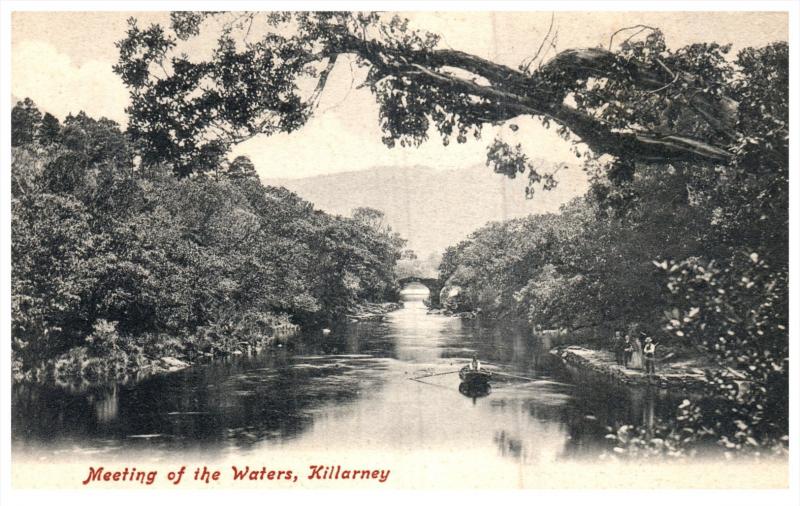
x=433 y=208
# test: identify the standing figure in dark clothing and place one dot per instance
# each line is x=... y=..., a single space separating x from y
x=618 y=345
x=627 y=349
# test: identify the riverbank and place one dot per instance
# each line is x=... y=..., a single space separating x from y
x=372 y=311
x=109 y=358
x=686 y=374
x=464 y=315
x=126 y=361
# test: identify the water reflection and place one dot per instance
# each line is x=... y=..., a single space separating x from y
x=106 y=404
x=509 y=446
x=350 y=390
x=473 y=391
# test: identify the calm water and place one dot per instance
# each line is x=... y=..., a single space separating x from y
x=349 y=391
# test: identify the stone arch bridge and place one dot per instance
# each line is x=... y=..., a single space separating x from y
x=432 y=284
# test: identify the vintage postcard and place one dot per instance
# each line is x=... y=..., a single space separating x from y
x=440 y=250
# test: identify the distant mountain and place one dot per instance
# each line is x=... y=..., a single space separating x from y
x=433 y=208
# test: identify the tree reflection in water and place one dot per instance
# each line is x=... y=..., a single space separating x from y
x=347 y=388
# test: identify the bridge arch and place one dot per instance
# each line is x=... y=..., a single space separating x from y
x=432 y=284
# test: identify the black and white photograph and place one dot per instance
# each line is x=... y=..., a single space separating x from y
x=379 y=249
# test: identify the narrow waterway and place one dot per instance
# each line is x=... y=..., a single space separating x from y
x=352 y=389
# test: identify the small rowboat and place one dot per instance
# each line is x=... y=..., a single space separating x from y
x=474 y=378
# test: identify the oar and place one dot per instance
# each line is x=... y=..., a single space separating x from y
x=513 y=376
x=426 y=383
x=432 y=375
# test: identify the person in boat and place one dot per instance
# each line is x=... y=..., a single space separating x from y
x=475 y=365
x=649 y=355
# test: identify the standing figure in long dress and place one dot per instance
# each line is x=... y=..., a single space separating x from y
x=637 y=360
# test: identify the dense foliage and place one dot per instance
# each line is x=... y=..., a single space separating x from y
x=694 y=254
x=108 y=258
x=579 y=269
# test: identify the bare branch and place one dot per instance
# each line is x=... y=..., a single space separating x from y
x=249 y=26
x=553 y=46
x=538 y=51
x=643 y=27
x=677 y=76
x=663 y=66
x=349 y=89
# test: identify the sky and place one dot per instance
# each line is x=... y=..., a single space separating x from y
x=63 y=62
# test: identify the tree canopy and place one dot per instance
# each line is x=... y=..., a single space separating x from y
x=637 y=99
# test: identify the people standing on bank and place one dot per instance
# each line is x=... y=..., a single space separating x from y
x=627 y=350
x=649 y=356
x=618 y=345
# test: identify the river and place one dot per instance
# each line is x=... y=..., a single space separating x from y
x=349 y=393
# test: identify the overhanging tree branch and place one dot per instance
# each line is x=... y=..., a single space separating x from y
x=513 y=93
x=633 y=104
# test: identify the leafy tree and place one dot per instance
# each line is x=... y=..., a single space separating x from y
x=242 y=168
x=66 y=174
x=25 y=121
x=371 y=218
x=101 y=141
x=738 y=314
x=51 y=245
x=49 y=130
x=638 y=102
